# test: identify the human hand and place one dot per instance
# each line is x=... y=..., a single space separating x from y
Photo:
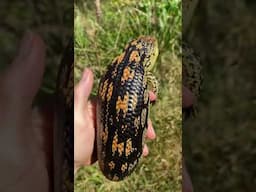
x=187 y=101
x=23 y=163
x=85 y=122
x=188 y=97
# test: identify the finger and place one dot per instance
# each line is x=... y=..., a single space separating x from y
x=150 y=131
x=186 y=180
x=43 y=122
x=24 y=48
x=83 y=89
x=187 y=97
x=26 y=71
x=152 y=96
x=145 y=151
x=91 y=104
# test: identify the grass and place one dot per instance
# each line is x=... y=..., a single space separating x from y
x=96 y=44
x=219 y=145
x=52 y=21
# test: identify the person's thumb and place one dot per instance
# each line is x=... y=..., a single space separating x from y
x=25 y=74
x=83 y=89
x=188 y=98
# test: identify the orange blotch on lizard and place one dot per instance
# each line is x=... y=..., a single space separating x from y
x=111 y=165
x=134 y=56
x=124 y=167
x=127 y=74
x=104 y=136
x=110 y=90
x=103 y=90
x=122 y=104
x=114 y=144
x=128 y=148
x=120 y=148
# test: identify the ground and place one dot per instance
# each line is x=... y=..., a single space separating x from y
x=219 y=144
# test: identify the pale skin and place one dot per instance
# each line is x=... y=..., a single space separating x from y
x=85 y=125
x=23 y=163
x=26 y=168
x=187 y=101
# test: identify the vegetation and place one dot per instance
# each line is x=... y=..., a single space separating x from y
x=219 y=145
x=54 y=23
x=97 y=43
